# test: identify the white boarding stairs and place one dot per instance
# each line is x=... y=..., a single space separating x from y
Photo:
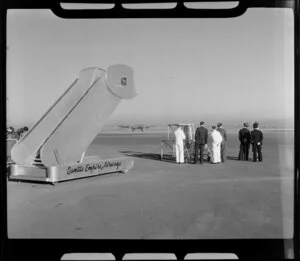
x=53 y=149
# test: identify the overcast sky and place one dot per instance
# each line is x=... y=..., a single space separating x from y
x=184 y=69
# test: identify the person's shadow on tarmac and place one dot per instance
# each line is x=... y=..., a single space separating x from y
x=157 y=156
x=232 y=158
x=151 y=156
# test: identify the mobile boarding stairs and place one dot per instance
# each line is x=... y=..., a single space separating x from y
x=53 y=149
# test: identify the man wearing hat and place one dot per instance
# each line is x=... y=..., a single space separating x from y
x=201 y=137
x=245 y=139
x=256 y=140
x=224 y=139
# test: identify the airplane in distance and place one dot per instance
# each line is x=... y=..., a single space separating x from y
x=133 y=128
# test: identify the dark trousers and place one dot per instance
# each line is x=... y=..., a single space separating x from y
x=223 y=154
x=257 y=152
x=197 y=147
x=244 y=151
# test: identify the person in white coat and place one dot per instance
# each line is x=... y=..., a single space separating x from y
x=179 y=146
x=216 y=145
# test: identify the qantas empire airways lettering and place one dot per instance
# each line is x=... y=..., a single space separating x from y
x=89 y=167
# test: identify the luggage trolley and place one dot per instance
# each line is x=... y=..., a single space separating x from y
x=169 y=144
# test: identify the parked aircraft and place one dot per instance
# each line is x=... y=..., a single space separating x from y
x=133 y=128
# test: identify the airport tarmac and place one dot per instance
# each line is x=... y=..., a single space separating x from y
x=162 y=200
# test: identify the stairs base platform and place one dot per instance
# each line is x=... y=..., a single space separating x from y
x=87 y=168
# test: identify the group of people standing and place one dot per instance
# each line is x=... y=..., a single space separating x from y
x=218 y=143
x=218 y=137
x=255 y=137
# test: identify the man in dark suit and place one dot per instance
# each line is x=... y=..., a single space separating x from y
x=201 y=137
x=256 y=140
x=224 y=139
x=245 y=139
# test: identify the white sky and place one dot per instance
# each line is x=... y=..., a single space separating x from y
x=184 y=69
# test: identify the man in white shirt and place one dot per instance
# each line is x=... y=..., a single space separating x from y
x=216 y=145
x=179 y=147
